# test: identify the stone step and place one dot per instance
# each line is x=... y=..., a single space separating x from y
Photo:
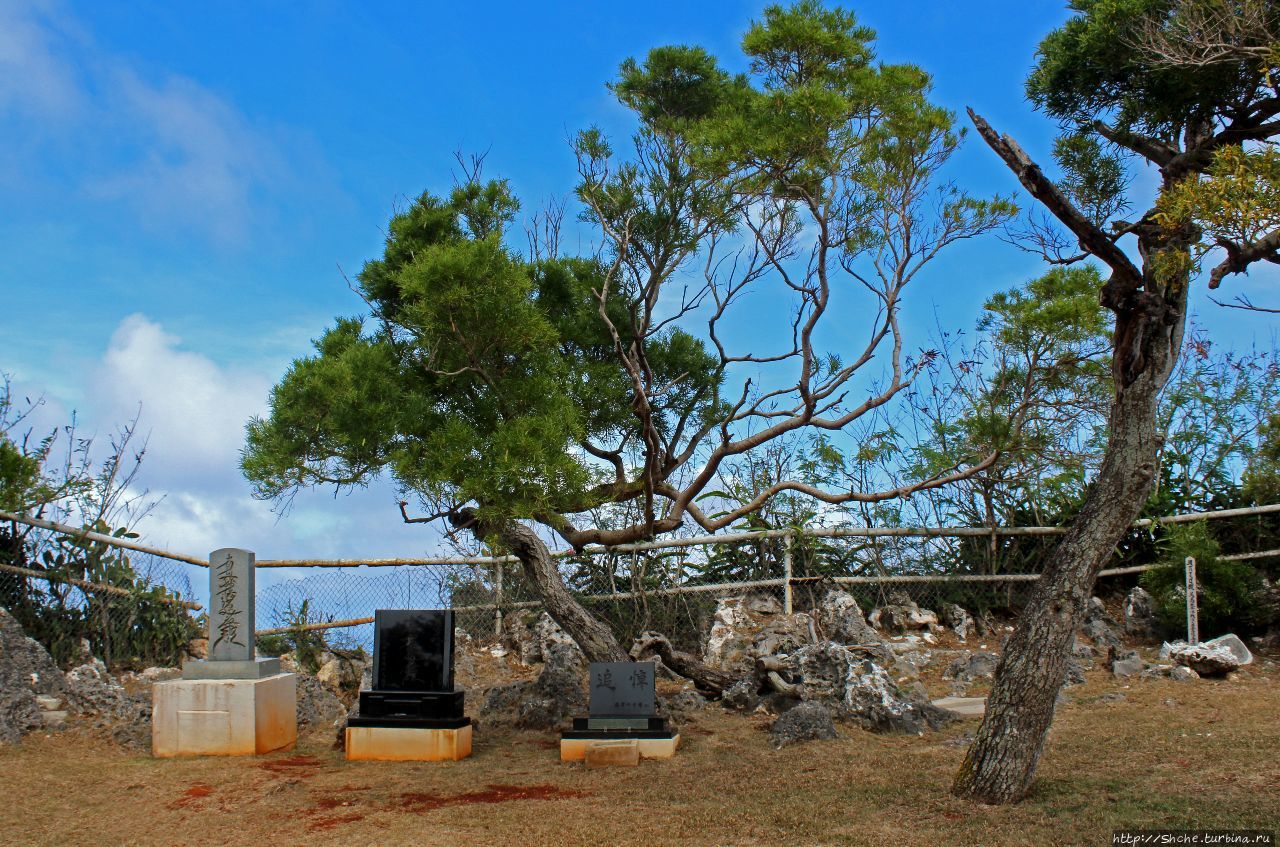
x=966 y=706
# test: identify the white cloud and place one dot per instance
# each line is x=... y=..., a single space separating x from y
x=35 y=80
x=196 y=162
x=181 y=158
x=193 y=410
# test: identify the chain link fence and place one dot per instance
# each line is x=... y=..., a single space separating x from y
x=137 y=606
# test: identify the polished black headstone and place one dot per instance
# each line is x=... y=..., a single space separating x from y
x=412 y=650
x=412 y=672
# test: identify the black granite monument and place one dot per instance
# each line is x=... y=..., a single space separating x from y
x=412 y=673
x=622 y=704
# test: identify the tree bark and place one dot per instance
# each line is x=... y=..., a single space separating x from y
x=593 y=636
x=1001 y=763
x=706 y=679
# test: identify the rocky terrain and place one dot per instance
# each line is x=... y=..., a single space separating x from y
x=808 y=672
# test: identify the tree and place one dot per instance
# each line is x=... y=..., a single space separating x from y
x=1116 y=103
x=498 y=390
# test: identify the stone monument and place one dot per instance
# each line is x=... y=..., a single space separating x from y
x=622 y=725
x=232 y=703
x=413 y=712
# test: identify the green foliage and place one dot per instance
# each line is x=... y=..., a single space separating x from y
x=1089 y=68
x=1226 y=596
x=306 y=645
x=1236 y=201
x=475 y=382
x=134 y=630
x=1261 y=479
x=24 y=485
x=1095 y=178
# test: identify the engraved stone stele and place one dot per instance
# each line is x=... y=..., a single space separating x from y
x=622 y=700
x=231 y=622
x=413 y=712
x=232 y=703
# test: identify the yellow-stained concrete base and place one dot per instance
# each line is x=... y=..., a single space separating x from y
x=607 y=754
x=408 y=744
x=223 y=717
x=575 y=749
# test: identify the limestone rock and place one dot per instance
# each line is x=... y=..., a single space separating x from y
x=783 y=635
x=763 y=604
x=960 y=621
x=93 y=691
x=317 y=705
x=26 y=671
x=1100 y=627
x=902 y=615
x=1207 y=661
x=1234 y=644
x=681 y=704
x=547 y=702
x=730 y=637
x=1124 y=663
x=743 y=695
x=25 y=662
x=855 y=687
x=806 y=721
x=531 y=636
x=341 y=674
x=1139 y=613
x=841 y=620
x=1218 y=657
x=197 y=648
x=971 y=666
x=1075 y=673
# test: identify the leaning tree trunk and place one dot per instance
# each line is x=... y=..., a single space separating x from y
x=592 y=635
x=1001 y=763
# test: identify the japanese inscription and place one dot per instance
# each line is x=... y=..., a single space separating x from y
x=622 y=689
x=231 y=620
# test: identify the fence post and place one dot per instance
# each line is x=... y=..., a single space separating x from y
x=497 y=601
x=1193 y=603
x=786 y=572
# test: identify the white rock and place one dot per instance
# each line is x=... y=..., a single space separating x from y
x=1207 y=660
x=728 y=627
x=1232 y=643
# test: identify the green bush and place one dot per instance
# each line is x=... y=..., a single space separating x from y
x=307 y=645
x=1227 y=590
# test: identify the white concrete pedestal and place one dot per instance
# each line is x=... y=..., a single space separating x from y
x=223 y=717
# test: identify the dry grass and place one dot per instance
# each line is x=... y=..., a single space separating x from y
x=1169 y=755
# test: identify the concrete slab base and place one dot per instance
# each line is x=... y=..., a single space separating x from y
x=230 y=668
x=223 y=717
x=970 y=707
x=407 y=744
x=575 y=749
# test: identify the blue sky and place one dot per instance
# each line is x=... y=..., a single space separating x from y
x=180 y=185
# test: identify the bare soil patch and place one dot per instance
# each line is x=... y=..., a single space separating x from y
x=1168 y=755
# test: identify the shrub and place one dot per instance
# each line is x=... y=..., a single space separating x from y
x=1227 y=591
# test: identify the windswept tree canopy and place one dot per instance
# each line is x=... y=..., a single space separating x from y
x=476 y=379
x=545 y=388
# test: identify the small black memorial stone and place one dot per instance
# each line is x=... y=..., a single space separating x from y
x=412 y=672
x=622 y=703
